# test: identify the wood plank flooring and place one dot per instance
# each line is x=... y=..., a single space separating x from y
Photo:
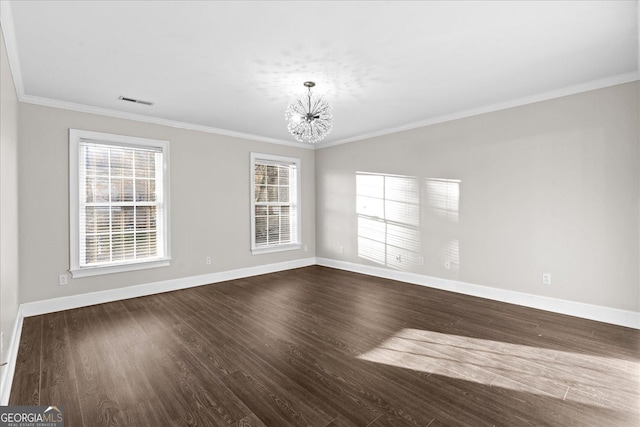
x=322 y=347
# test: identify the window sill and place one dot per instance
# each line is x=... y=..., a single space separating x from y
x=108 y=269
x=271 y=249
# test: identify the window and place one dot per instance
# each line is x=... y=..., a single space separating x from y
x=119 y=210
x=275 y=207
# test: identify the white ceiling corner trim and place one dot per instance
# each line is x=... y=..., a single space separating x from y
x=571 y=90
x=204 y=93
x=81 y=108
x=8 y=31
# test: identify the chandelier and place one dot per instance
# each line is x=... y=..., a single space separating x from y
x=309 y=117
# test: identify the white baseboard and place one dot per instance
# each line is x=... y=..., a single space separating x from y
x=7 y=374
x=614 y=316
x=75 y=301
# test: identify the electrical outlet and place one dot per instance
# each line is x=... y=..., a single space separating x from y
x=341 y=249
x=447 y=264
x=207 y=260
x=399 y=258
x=546 y=279
x=63 y=280
x=421 y=260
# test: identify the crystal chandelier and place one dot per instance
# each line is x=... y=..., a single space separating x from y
x=309 y=117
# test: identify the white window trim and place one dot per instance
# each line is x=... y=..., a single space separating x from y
x=75 y=137
x=284 y=247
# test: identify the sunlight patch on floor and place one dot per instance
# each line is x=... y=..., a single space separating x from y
x=562 y=375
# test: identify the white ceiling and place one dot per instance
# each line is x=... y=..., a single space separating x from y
x=232 y=67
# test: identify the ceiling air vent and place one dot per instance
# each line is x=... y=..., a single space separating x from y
x=137 y=101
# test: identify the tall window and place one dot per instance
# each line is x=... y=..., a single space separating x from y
x=119 y=203
x=275 y=208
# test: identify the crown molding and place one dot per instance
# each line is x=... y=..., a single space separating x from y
x=545 y=96
x=9 y=34
x=6 y=22
x=48 y=102
x=570 y=90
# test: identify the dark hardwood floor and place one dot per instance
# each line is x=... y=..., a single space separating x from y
x=323 y=347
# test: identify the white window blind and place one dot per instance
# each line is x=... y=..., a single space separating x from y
x=275 y=206
x=120 y=207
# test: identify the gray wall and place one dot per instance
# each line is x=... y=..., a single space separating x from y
x=8 y=201
x=551 y=187
x=209 y=202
